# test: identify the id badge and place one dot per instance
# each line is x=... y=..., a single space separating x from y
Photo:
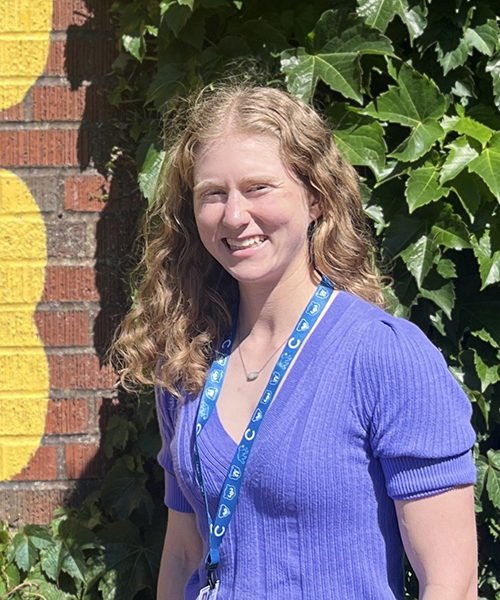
x=208 y=593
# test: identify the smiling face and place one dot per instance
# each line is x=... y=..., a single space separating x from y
x=251 y=212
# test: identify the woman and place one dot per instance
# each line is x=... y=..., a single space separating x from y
x=259 y=295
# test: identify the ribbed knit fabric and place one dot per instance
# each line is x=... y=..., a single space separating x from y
x=368 y=413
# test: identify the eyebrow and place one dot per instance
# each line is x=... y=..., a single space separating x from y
x=246 y=181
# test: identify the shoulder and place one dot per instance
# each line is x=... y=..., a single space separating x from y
x=378 y=333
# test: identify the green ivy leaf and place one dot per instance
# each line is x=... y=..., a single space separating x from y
x=412 y=102
x=151 y=169
x=166 y=84
x=379 y=13
x=440 y=291
x=493 y=479
x=135 y=46
x=189 y=3
x=487 y=165
x=482 y=334
x=66 y=554
x=489 y=263
x=493 y=68
x=467 y=126
x=466 y=187
x=359 y=138
x=422 y=187
x=446 y=268
x=482 y=471
x=131 y=564
x=488 y=373
x=41 y=588
x=176 y=16
x=452 y=49
x=483 y=38
x=419 y=257
x=23 y=552
x=450 y=231
x=423 y=136
x=339 y=41
x=124 y=491
x=461 y=154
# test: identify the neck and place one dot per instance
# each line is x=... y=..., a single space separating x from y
x=271 y=313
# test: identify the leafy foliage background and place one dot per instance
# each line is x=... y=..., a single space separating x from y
x=411 y=89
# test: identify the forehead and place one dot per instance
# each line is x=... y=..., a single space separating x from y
x=236 y=154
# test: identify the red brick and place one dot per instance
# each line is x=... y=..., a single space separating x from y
x=41 y=467
x=14 y=113
x=69 y=284
x=61 y=103
x=80 y=372
x=75 y=12
x=69 y=415
x=44 y=148
x=84 y=193
x=84 y=461
x=63 y=328
x=81 y=57
x=37 y=506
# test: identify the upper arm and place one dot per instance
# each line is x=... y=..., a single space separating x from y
x=439 y=537
x=183 y=539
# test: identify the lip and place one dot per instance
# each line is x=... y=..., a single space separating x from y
x=245 y=243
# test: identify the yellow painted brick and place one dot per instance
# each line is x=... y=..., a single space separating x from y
x=15 y=197
x=17 y=329
x=21 y=284
x=23 y=58
x=15 y=454
x=22 y=239
x=25 y=15
x=22 y=416
x=24 y=370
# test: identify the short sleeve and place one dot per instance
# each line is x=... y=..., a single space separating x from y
x=417 y=415
x=166 y=408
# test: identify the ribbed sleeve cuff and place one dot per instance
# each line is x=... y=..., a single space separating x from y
x=408 y=477
x=174 y=498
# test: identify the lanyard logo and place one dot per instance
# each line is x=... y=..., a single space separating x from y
x=312 y=309
x=212 y=393
x=223 y=511
x=275 y=377
x=216 y=376
x=229 y=492
x=302 y=326
x=234 y=472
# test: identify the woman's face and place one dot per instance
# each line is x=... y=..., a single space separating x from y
x=251 y=212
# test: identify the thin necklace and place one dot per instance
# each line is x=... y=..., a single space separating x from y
x=252 y=376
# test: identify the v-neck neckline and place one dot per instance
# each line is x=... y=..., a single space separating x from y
x=329 y=312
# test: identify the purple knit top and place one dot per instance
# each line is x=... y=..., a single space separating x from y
x=368 y=413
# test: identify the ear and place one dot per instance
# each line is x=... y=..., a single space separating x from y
x=314 y=208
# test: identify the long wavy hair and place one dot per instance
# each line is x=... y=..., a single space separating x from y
x=184 y=298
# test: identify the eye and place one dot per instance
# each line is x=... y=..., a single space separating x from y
x=213 y=195
x=258 y=187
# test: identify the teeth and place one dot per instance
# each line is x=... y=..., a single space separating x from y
x=250 y=242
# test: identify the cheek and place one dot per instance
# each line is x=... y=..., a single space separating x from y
x=206 y=223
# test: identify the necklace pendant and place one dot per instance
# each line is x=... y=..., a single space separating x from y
x=252 y=376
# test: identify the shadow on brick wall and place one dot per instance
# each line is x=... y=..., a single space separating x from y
x=89 y=53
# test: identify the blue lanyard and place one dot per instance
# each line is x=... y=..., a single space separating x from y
x=211 y=391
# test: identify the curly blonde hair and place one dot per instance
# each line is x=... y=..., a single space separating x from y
x=184 y=298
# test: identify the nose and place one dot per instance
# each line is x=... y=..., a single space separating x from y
x=235 y=211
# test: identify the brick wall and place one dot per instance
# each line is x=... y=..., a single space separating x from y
x=57 y=140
